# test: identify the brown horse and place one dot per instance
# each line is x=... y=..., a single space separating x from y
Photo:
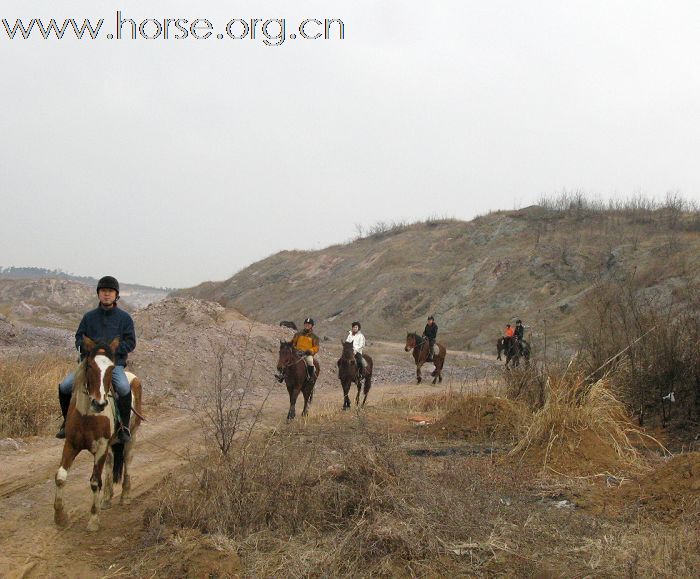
x=514 y=349
x=91 y=426
x=348 y=373
x=293 y=367
x=420 y=348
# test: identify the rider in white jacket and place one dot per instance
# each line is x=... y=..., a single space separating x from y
x=358 y=343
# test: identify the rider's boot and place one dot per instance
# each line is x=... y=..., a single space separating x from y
x=64 y=401
x=310 y=374
x=124 y=407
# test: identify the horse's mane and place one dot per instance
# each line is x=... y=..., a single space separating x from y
x=80 y=376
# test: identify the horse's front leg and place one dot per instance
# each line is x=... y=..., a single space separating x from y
x=418 y=376
x=101 y=450
x=359 y=389
x=293 y=394
x=346 y=393
x=69 y=454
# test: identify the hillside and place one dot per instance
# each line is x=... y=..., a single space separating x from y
x=536 y=263
x=137 y=295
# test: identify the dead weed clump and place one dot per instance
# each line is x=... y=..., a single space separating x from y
x=28 y=393
x=582 y=430
x=309 y=501
x=483 y=418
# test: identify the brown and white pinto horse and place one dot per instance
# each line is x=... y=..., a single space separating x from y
x=348 y=373
x=293 y=367
x=420 y=347
x=90 y=425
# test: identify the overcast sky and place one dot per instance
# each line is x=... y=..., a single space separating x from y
x=171 y=162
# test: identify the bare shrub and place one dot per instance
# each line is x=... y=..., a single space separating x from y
x=526 y=384
x=29 y=393
x=660 y=345
x=224 y=401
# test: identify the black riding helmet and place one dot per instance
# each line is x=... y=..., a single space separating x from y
x=108 y=282
x=359 y=326
x=309 y=321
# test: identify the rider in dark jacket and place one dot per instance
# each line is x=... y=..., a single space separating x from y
x=430 y=333
x=103 y=324
x=519 y=331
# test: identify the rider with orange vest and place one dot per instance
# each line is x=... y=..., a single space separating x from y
x=308 y=343
x=509 y=331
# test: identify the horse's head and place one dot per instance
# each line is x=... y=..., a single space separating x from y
x=98 y=371
x=411 y=341
x=348 y=351
x=286 y=356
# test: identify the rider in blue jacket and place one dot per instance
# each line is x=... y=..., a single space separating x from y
x=102 y=325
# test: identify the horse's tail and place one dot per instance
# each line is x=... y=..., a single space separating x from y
x=118 y=469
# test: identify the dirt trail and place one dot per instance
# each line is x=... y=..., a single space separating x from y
x=32 y=546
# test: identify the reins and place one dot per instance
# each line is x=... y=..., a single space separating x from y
x=301 y=358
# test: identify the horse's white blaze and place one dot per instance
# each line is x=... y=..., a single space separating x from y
x=103 y=363
x=62 y=474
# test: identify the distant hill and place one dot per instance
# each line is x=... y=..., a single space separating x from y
x=136 y=295
x=538 y=263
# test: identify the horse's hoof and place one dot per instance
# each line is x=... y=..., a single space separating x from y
x=60 y=518
x=418 y=381
x=93 y=526
x=107 y=504
x=125 y=500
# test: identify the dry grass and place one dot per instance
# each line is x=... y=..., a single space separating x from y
x=29 y=394
x=335 y=501
x=582 y=429
x=340 y=495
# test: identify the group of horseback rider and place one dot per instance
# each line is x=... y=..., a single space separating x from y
x=517 y=332
x=107 y=322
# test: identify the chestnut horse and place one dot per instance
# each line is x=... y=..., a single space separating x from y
x=348 y=373
x=420 y=347
x=91 y=425
x=293 y=367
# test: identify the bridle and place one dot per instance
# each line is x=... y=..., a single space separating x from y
x=299 y=359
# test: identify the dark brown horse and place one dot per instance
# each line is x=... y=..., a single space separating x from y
x=500 y=346
x=90 y=425
x=420 y=347
x=293 y=367
x=348 y=373
x=514 y=349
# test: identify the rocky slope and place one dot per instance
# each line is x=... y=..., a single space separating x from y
x=536 y=263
